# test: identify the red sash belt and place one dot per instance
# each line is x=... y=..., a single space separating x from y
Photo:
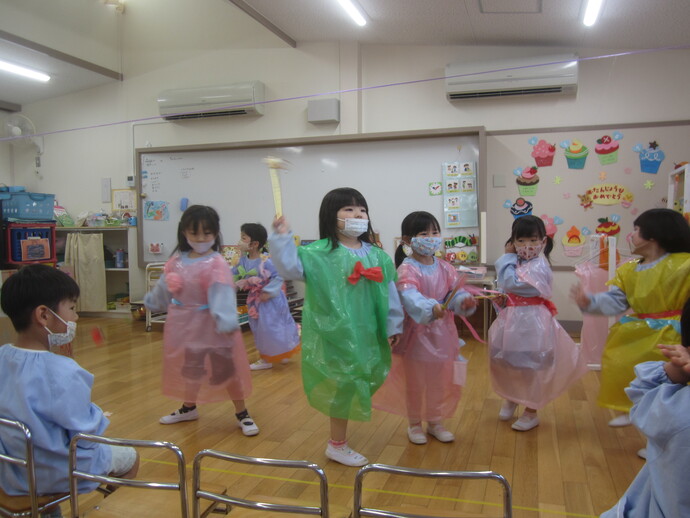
x=517 y=300
x=663 y=314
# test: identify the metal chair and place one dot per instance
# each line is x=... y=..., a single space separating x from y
x=125 y=501
x=420 y=512
x=273 y=506
x=33 y=504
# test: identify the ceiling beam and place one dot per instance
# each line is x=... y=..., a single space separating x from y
x=61 y=56
x=264 y=21
x=10 y=107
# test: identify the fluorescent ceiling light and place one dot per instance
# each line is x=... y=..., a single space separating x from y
x=592 y=12
x=26 y=72
x=353 y=12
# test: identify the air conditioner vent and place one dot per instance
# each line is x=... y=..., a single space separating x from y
x=212 y=101
x=509 y=78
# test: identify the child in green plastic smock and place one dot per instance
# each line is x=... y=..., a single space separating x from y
x=352 y=313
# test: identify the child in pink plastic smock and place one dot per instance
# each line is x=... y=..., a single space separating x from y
x=275 y=331
x=655 y=287
x=351 y=313
x=204 y=359
x=426 y=378
x=532 y=359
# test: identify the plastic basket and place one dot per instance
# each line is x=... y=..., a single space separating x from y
x=16 y=235
x=27 y=205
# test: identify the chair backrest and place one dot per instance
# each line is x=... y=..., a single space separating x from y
x=229 y=500
x=35 y=506
x=180 y=485
x=360 y=511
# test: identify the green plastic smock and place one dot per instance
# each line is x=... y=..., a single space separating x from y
x=345 y=351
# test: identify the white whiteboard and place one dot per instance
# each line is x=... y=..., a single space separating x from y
x=393 y=175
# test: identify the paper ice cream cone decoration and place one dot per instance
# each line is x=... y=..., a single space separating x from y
x=274 y=166
x=573 y=242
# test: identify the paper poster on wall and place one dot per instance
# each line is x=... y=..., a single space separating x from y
x=156 y=210
x=460 y=195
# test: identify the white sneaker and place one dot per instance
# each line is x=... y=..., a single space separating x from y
x=416 y=434
x=527 y=421
x=438 y=431
x=249 y=427
x=345 y=455
x=507 y=410
x=642 y=453
x=179 y=415
x=260 y=365
x=621 y=420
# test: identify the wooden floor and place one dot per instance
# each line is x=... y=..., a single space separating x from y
x=573 y=464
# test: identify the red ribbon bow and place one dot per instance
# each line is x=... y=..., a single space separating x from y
x=373 y=274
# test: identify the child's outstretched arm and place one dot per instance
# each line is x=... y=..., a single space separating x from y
x=462 y=304
x=284 y=252
x=612 y=302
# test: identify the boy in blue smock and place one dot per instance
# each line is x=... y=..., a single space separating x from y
x=49 y=393
x=661 y=410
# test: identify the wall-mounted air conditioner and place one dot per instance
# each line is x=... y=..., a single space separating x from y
x=509 y=77
x=212 y=101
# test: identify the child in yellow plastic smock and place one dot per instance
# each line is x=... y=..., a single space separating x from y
x=655 y=287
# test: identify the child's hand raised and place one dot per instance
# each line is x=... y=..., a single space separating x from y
x=280 y=225
x=509 y=247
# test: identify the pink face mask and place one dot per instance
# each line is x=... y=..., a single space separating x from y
x=527 y=252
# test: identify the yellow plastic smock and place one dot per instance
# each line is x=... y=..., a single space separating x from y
x=657 y=290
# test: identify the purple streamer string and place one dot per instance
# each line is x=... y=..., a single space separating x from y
x=352 y=90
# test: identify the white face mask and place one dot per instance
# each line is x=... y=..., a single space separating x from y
x=201 y=247
x=354 y=227
x=56 y=339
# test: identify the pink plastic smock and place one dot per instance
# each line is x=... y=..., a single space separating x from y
x=532 y=359
x=200 y=364
x=595 y=328
x=424 y=361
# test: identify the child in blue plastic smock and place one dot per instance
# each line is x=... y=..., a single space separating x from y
x=50 y=393
x=275 y=331
x=532 y=359
x=204 y=359
x=351 y=313
x=655 y=287
x=660 y=398
x=426 y=377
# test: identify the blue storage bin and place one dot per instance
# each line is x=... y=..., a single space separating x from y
x=17 y=235
x=27 y=205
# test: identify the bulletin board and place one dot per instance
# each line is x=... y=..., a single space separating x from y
x=396 y=172
x=580 y=181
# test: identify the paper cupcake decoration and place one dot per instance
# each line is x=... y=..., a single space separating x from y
x=573 y=242
x=543 y=153
x=627 y=199
x=528 y=181
x=610 y=228
x=575 y=154
x=607 y=150
x=520 y=208
x=650 y=158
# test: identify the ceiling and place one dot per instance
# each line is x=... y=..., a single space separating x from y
x=623 y=25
